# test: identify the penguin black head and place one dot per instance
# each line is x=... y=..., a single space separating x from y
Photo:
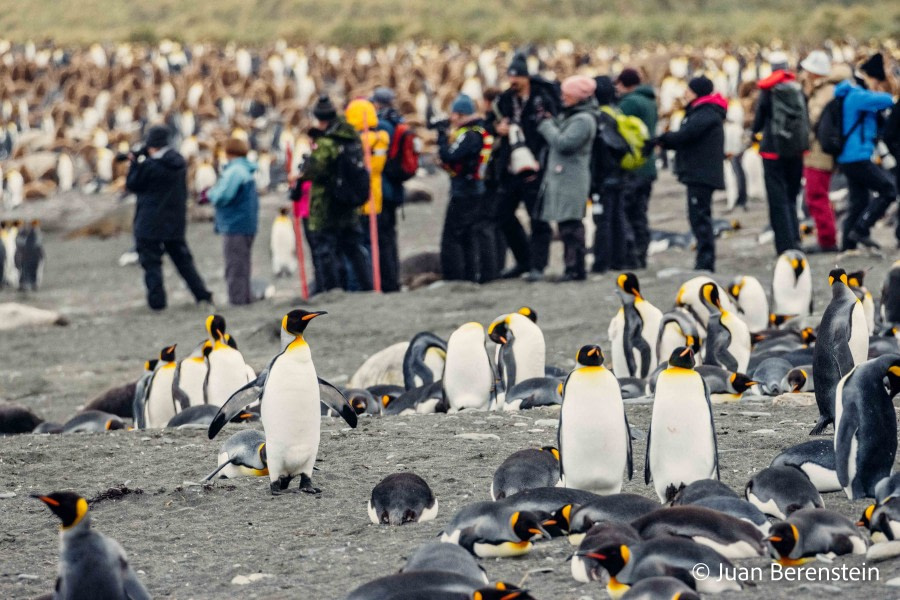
x=151 y=364
x=709 y=295
x=783 y=537
x=114 y=425
x=68 y=506
x=808 y=335
x=499 y=332
x=682 y=357
x=736 y=286
x=779 y=320
x=358 y=402
x=526 y=526
x=284 y=211
x=741 y=383
x=797 y=379
x=501 y=591
x=560 y=521
x=855 y=279
x=798 y=263
x=295 y=322
x=167 y=354
x=215 y=327
x=590 y=355
x=613 y=557
x=893 y=376
x=628 y=282
x=229 y=339
x=866 y=519
x=837 y=275
x=552 y=450
x=207 y=348
x=528 y=312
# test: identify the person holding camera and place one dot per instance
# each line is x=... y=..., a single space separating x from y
x=237 y=216
x=158 y=176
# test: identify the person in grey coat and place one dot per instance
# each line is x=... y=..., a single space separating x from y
x=567 y=179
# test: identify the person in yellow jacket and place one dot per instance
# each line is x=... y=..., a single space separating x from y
x=361 y=114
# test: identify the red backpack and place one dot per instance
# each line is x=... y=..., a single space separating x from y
x=403 y=155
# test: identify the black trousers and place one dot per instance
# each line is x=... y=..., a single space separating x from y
x=636 y=191
x=613 y=238
x=782 y=177
x=700 y=218
x=237 y=251
x=330 y=247
x=572 y=235
x=150 y=253
x=529 y=253
x=741 y=177
x=863 y=213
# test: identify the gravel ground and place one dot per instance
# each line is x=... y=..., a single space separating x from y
x=190 y=542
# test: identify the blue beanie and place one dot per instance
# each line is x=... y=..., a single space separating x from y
x=463 y=105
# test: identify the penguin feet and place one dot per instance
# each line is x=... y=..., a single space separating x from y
x=306 y=485
x=821 y=424
x=280 y=486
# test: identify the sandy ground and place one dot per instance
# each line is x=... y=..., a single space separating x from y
x=189 y=542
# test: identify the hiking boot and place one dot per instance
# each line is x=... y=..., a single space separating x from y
x=533 y=276
x=864 y=239
x=512 y=272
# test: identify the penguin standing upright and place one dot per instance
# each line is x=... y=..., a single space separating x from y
x=792 y=285
x=750 y=297
x=677 y=328
x=855 y=282
x=727 y=336
x=681 y=441
x=522 y=353
x=890 y=295
x=191 y=373
x=634 y=331
x=594 y=437
x=91 y=565
x=29 y=256
x=842 y=342
x=227 y=369
x=468 y=375
x=283 y=245
x=865 y=425
x=9 y=235
x=159 y=403
x=688 y=298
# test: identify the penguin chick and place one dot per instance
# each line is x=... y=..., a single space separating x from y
x=526 y=469
x=17 y=419
x=91 y=565
x=779 y=491
x=402 y=498
x=811 y=531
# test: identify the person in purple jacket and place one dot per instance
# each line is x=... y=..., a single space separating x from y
x=861 y=105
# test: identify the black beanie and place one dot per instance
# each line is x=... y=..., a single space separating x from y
x=874 y=67
x=518 y=67
x=324 y=110
x=606 y=91
x=157 y=137
x=701 y=86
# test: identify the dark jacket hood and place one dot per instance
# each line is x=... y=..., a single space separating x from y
x=645 y=90
x=172 y=160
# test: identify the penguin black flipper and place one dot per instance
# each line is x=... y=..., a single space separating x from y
x=334 y=399
x=647 y=473
x=842 y=438
x=712 y=426
x=506 y=364
x=630 y=459
x=179 y=398
x=414 y=358
x=134 y=589
x=560 y=429
x=238 y=401
x=140 y=395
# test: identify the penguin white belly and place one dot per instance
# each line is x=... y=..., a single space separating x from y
x=616 y=333
x=191 y=378
x=824 y=479
x=434 y=360
x=594 y=447
x=468 y=376
x=290 y=414
x=160 y=405
x=529 y=349
x=734 y=550
x=670 y=338
x=859 y=334
x=681 y=437
x=739 y=347
x=851 y=466
x=283 y=246
x=869 y=310
x=652 y=317
x=227 y=373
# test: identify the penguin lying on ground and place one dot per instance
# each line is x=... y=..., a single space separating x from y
x=243 y=454
x=493 y=529
x=436 y=585
x=438 y=556
x=617 y=508
x=551 y=505
x=697 y=490
x=426 y=399
x=798 y=379
x=526 y=469
x=91 y=565
x=657 y=588
x=727 y=535
x=769 y=374
x=811 y=531
x=92 y=421
x=585 y=567
x=531 y=393
x=779 y=491
x=402 y=498
x=882 y=520
x=816 y=459
x=737 y=508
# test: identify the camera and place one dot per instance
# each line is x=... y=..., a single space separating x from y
x=436 y=124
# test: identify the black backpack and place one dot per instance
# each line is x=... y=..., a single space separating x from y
x=790 y=122
x=608 y=150
x=351 y=185
x=830 y=129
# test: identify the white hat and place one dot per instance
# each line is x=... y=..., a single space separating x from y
x=778 y=60
x=817 y=63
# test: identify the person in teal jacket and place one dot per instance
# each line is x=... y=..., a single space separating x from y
x=237 y=218
x=861 y=106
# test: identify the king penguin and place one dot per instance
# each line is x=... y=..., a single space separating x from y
x=243 y=454
x=865 y=425
x=283 y=245
x=289 y=394
x=677 y=328
x=890 y=295
x=681 y=441
x=191 y=373
x=91 y=565
x=594 y=437
x=855 y=281
x=468 y=374
x=727 y=336
x=161 y=399
x=634 y=331
x=750 y=297
x=842 y=342
x=522 y=354
x=792 y=285
x=227 y=369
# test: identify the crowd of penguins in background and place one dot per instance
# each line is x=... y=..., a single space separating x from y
x=530 y=137
x=716 y=344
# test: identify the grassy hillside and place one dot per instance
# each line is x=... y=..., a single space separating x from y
x=380 y=21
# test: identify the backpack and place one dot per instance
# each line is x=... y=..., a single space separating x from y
x=790 y=122
x=484 y=156
x=403 y=154
x=830 y=128
x=633 y=132
x=351 y=184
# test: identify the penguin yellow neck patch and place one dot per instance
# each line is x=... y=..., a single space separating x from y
x=81 y=509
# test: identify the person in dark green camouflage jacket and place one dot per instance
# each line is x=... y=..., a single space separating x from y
x=335 y=236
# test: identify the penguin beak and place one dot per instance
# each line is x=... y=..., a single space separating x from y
x=313 y=315
x=774 y=538
x=595 y=555
x=45 y=499
x=685 y=352
x=860 y=524
x=502 y=340
x=795 y=389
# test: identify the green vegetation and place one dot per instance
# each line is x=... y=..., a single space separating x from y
x=356 y=22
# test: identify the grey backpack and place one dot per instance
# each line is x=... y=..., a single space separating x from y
x=790 y=121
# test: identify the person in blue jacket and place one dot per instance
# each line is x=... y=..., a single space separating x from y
x=237 y=217
x=861 y=106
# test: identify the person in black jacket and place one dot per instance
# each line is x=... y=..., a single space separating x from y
x=519 y=105
x=158 y=175
x=700 y=150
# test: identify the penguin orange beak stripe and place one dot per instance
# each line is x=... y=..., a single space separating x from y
x=685 y=352
x=592 y=352
x=860 y=523
x=313 y=315
x=775 y=538
x=502 y=340
x=596 y=556
x=47 y=500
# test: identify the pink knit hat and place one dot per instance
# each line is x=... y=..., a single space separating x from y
x=579 y=86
